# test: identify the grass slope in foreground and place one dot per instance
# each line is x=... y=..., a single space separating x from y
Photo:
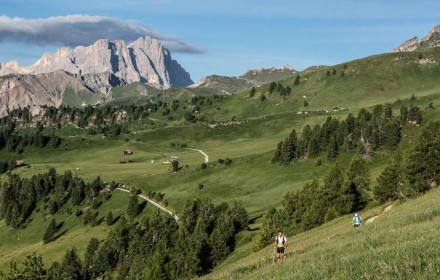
x=401 y=243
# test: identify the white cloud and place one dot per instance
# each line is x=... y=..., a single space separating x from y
x=77 y=30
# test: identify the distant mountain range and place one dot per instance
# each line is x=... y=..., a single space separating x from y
x=82 y=75
x=85 y=75
x=111 y=63
x=255 y=77
x=429 y=41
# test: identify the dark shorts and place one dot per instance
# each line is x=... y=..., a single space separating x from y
x=280 y=250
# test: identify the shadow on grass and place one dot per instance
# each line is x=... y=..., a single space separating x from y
x=142 y=206
x=59 y=235
x=60 y=225
x=117 y=219
x=252 y=220
x=98 y=222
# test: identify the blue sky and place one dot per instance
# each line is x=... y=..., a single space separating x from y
x=221 y=37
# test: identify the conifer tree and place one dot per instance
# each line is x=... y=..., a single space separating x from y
x=71 y=268
x=404 y=113
x=222 y=238
x=133 y=207
x=388 y=111
x=50 y=231
x=277 y=154
x=424 y=160
x=252 y=92
x=268 y=229
x=332 y=149
x=109 y=218
x=272 y=87
x=92 y=248
x=389 y=185
x=358 y=172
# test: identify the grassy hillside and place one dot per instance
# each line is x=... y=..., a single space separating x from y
x=15 y=244
x=399 y=244
x=361 y=83
x=246 y=130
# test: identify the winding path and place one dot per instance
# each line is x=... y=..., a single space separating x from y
x=370 y=220
x=203 y=153
x=174 y=216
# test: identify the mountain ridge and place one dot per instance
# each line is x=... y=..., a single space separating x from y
x=429 y=41
x=145 y=60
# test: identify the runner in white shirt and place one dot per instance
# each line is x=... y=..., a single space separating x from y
x=280 y=244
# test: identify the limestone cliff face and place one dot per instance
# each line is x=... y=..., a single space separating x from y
x=430 y=41
x=52 y=89
x=408 y=46
x=110 y=63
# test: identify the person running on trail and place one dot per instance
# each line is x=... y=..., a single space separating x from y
x=356 y=220
x=280 y=244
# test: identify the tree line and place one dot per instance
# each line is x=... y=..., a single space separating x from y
x=20 y=196
x=105 y=117
x=342 y=191
x=155 y=247
x=411 y=171
x=367 y=132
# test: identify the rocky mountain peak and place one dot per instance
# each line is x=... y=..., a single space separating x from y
x=145 y=60
x=432 y=39
x=408 y=46
x=429 y=41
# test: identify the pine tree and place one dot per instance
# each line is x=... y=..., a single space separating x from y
x=392 y=132
x=50 y=231
x=252 y=92
x=239 y=216
x=332 y=149
x=185 y=261
x=202 y=246
x=222 y=238
x=265 y=234
x=359 y=173
x=297 y=79
x=133 y=207
x=390 y=181
x=424 y=160
x=403 y=113
x=277 y=155
x=109 y=218
x=289 y=148
x=33 y=268
x=92 y=247
x=175 y=165
x=272 y=87
x=71 y=267
x=388 y=111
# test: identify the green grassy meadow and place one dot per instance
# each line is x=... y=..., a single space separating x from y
x=250 y=141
